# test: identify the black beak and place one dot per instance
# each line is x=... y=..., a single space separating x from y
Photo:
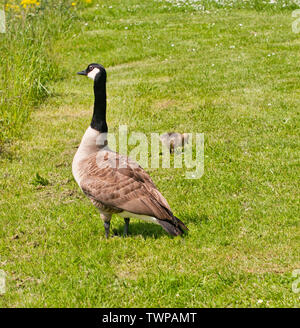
x=82 y=73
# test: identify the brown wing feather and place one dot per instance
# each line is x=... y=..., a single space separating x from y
x=127 y=188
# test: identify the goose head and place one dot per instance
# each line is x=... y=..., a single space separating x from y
x=95 y=72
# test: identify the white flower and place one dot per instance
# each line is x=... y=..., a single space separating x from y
x=260 y=301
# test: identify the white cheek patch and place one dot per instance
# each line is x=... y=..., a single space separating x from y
x=93 y=73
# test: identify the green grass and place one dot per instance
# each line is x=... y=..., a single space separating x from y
x=231 y=74
x=27 y=61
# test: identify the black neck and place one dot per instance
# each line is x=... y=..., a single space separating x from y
x=99 y=116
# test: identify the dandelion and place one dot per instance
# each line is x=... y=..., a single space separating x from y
x=29 y=3
x=9 y=6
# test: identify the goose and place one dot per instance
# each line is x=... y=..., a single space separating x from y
x=114 y=183
x=172 y=140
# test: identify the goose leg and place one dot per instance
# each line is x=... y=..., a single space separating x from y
x=126 y=227
x=106 y=227
x=106 y=219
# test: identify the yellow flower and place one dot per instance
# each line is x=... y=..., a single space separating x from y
x=73 y=3
x=29 y=3
x=9 y=6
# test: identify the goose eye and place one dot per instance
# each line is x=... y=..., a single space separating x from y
x=91 y=68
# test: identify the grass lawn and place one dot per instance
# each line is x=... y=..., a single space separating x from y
x=232 y=74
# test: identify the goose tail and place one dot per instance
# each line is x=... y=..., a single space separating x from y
x=174 y=227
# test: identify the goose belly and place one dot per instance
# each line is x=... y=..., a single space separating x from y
x=146 y=218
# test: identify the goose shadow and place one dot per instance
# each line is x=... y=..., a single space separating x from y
x=144 y=229
x=154 y=231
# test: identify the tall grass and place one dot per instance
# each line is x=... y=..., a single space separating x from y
x=27 y=63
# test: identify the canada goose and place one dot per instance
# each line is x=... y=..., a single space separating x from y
x=113 y=182
x=172 y=140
